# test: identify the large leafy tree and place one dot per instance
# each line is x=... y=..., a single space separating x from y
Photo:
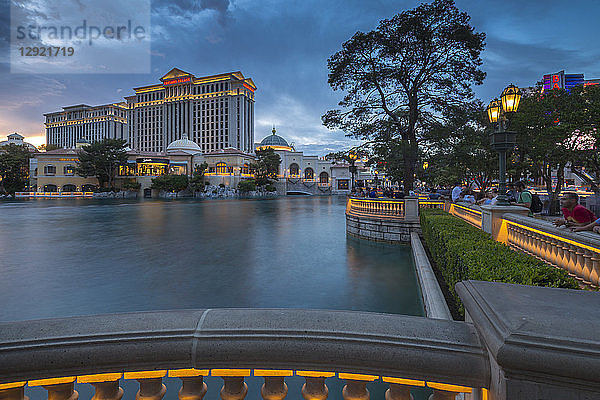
x=548 y=125
x=102 y=160
x=405 y=75
x=266 y=167
x=14 y=168
x=197 y=179
x=170 y=183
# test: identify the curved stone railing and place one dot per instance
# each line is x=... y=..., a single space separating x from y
x=357 y=347
x=578 y=253
x=377 y=207
x=468 y=212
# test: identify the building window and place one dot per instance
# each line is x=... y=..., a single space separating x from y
x=324 y=177
x=49 y=170
x=69 y=188
x=69 y=170
x=309 y=174
x=342 y=184
x=50 y=188
x=221 y=168
x=294 y=170
x=246 y=169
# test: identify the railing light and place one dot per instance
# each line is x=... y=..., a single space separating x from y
x=449 y=388
x=230 y=372
x=181 y=373
x=51 y=381
x=358 y=377
x=12 y=385
x=145 y=374
x=315 y=374
x=273 y=372
x=95 y=378
x=402 y=381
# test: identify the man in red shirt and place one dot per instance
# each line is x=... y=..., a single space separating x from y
x=574 y=213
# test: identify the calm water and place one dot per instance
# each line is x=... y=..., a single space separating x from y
x=77 y=257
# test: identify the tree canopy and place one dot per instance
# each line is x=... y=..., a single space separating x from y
x=266 y=167
x=14 y=168
x=404 y=76
x=102 y=160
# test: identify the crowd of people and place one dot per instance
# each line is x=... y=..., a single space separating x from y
x=575 y=216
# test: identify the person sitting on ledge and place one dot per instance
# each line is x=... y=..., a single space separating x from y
x=372 y=193
x=523 y=196
x=574 y=214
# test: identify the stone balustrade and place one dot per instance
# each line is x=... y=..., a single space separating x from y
x=468 y=212
x=518 y=343
x=378 y=207
x=356 y=347
x=578 y=253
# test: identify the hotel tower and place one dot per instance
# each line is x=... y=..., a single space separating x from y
x=216 y=112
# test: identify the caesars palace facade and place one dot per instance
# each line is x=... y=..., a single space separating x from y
x=174 y=125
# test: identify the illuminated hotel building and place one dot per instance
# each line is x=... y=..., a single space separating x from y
x=64 y=128
x=216 y=112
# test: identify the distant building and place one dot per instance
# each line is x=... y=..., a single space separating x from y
x=560 y=80
x=15 y=138
x=64 y=128
x=216 y=112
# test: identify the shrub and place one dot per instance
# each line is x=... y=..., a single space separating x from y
x=247 y=185
x=170 y=183
x=131 y=184
x=270 y=188
x=461 y=252
x=221 y=185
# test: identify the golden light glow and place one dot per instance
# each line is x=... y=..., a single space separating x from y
x=99 y=378
x=484 y=394
x=315 y=374
x=51 y=381
x=273 y=372
x=145 y=374
x=358 y=377
x=562 y=239
x=229 y=372
x=12 y=385
x=449 y=388
x=493 y=110
x=511 y=97
x=425 y=165
x=402 y=381
x=180 y=373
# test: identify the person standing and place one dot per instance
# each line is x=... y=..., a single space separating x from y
x=523 y=196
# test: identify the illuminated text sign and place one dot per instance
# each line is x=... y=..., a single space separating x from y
x=177 y=80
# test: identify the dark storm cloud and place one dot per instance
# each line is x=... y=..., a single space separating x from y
x=187 y=8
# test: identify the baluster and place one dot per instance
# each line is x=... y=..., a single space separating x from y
x=234 y=388
x=572 y=267
x=13 y=391
x=192 y=383
x=398 y=392
x=442 y=395
x=587 y=265
x=356 y=386
x=355 y=390
x=579 y=262
x=274 y=387
x=560 y=254
x=58 y=388
x=595 y=270
x=151 y=386
x=553 y=251
x=106 y=385
x=315 y=388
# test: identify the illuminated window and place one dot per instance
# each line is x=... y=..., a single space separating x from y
x=221 y=168
x=246 y=169
x=69 y=170
x=309 y=173
x=49 y=170
x=294 y=169
x=343 y=184
x=69 y=188
x=324 y=177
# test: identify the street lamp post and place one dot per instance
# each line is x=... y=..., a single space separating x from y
x=502 y=140
x=353 y=156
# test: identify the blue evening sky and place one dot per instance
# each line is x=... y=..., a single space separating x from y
x=284 y=45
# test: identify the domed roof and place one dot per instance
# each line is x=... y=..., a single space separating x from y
x=183 y=144
x=274 y=140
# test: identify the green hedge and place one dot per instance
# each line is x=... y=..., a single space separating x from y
x=461 y=252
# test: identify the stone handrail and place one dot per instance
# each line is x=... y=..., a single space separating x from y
x=378 y=207
x=578 y=253
x=468 y=212
x=359 y=347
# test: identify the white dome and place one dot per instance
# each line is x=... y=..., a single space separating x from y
x=183 y=144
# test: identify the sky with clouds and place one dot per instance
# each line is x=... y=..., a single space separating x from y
x=284 y=45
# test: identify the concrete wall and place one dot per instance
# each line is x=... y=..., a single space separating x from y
x=381 y=230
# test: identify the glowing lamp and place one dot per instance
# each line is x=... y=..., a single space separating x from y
x=493 y=111
x=425 y=165
x=511 y=96
x=352 y=155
